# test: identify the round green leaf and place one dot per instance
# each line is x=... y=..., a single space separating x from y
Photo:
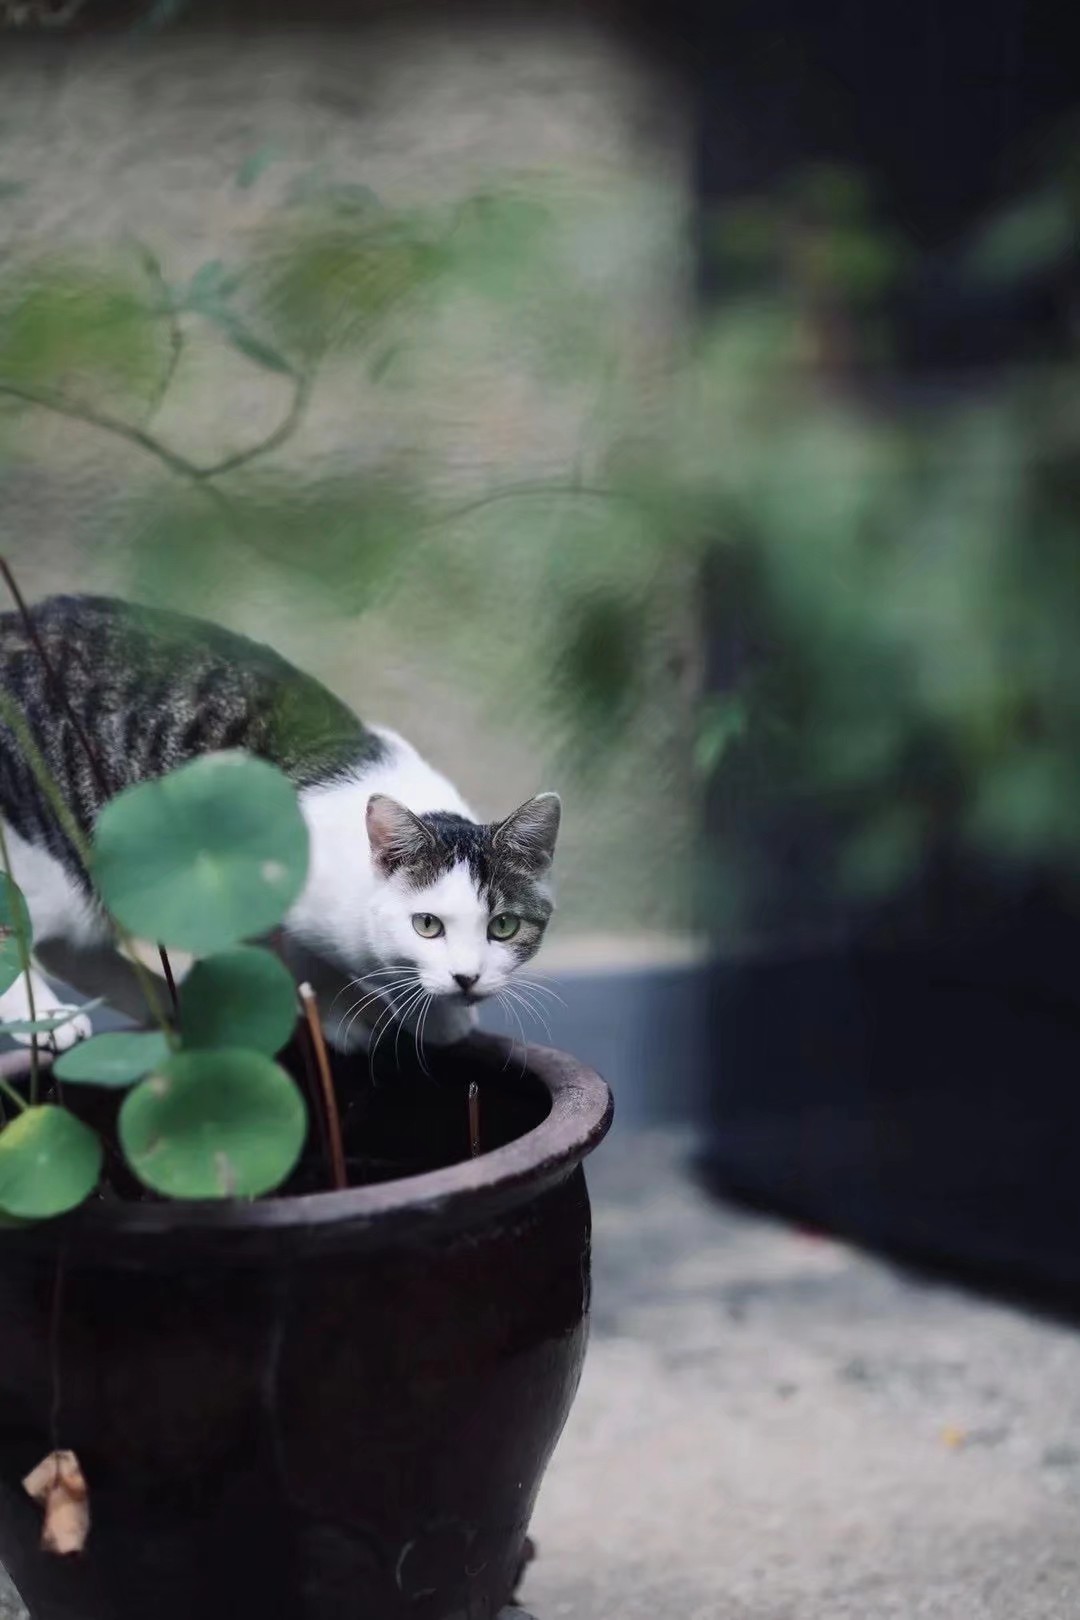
x=210 y=854
x=13 y=918
x=243 y=997
x=49 y=1162
x=221 y=1124
x=114 y=1059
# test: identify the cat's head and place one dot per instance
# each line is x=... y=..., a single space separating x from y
x=462 y=902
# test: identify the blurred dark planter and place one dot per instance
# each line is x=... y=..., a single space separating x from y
x=922 y=1098
x=336 y=1406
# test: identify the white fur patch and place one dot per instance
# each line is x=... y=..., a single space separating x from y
x=354 y=916
x=334 y=914
x=59 y=909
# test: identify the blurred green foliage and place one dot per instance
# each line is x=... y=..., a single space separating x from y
x=896 y=580
x=901 y=571
x=81 y=325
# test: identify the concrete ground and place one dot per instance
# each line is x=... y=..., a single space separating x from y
x=774 y=1427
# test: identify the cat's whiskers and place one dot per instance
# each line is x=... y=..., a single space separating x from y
x=504 y=1000
x=352 y=984
x=404 y=1002
x=361 y=980
x=425 y=1009
x=382 y=1024
x=406 y=980
x=541 y=989
x=382 y=994
x=522 y=1000
x=413 y=1002
x=382 y=991
x=348 y=1018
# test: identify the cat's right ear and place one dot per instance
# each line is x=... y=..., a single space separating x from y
x=397 y=837
x=528 y=835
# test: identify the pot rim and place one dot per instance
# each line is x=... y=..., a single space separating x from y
x=581 y=1112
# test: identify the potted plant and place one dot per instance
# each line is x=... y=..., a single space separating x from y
x=234 y=1388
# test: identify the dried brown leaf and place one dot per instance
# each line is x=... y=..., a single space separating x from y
x=59 y=1486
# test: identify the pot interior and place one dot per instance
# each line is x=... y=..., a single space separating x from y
x=398 y=1120
x=401 y=1121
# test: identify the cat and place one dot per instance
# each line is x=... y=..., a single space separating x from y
x=413 y=910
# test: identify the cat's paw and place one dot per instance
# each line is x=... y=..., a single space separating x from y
x=15 y=1008
x=77 y=1027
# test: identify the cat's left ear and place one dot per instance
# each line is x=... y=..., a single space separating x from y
x=527 y=836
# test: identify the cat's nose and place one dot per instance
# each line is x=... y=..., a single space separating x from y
x=465 y=981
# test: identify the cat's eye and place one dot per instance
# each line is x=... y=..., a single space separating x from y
x=504 y=926
x=427 y=926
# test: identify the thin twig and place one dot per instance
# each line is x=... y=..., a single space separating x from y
x=22 y=945
x=11 y=1094
x=284 y=430
x=13 y=716
x=180 y=465
x=333 y=1118
x=201 y=477
x=307 y=1057
x=16 y=1066
x=107 y=423
x=520 y=492
x=52 y=678
x=69 y=709
x=474 y=1119
x=166 y=968
x=152 y=266
x=314 y=1091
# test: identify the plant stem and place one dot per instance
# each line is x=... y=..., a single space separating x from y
x=523 y=492
x=201 y=477
x=12 y=1095
x=22 y=945
x=80 y=731
x=106 y=422
x=333 y=1118
x=152 y=266
x=13 y=716
x=474 y=1119
x=284 y=430
x=166 y=968
x=51 y=677
x=314 y=1090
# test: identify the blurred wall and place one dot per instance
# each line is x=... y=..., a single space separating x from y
x=187 y=142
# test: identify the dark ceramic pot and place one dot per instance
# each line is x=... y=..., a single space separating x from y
x=335 y=1406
